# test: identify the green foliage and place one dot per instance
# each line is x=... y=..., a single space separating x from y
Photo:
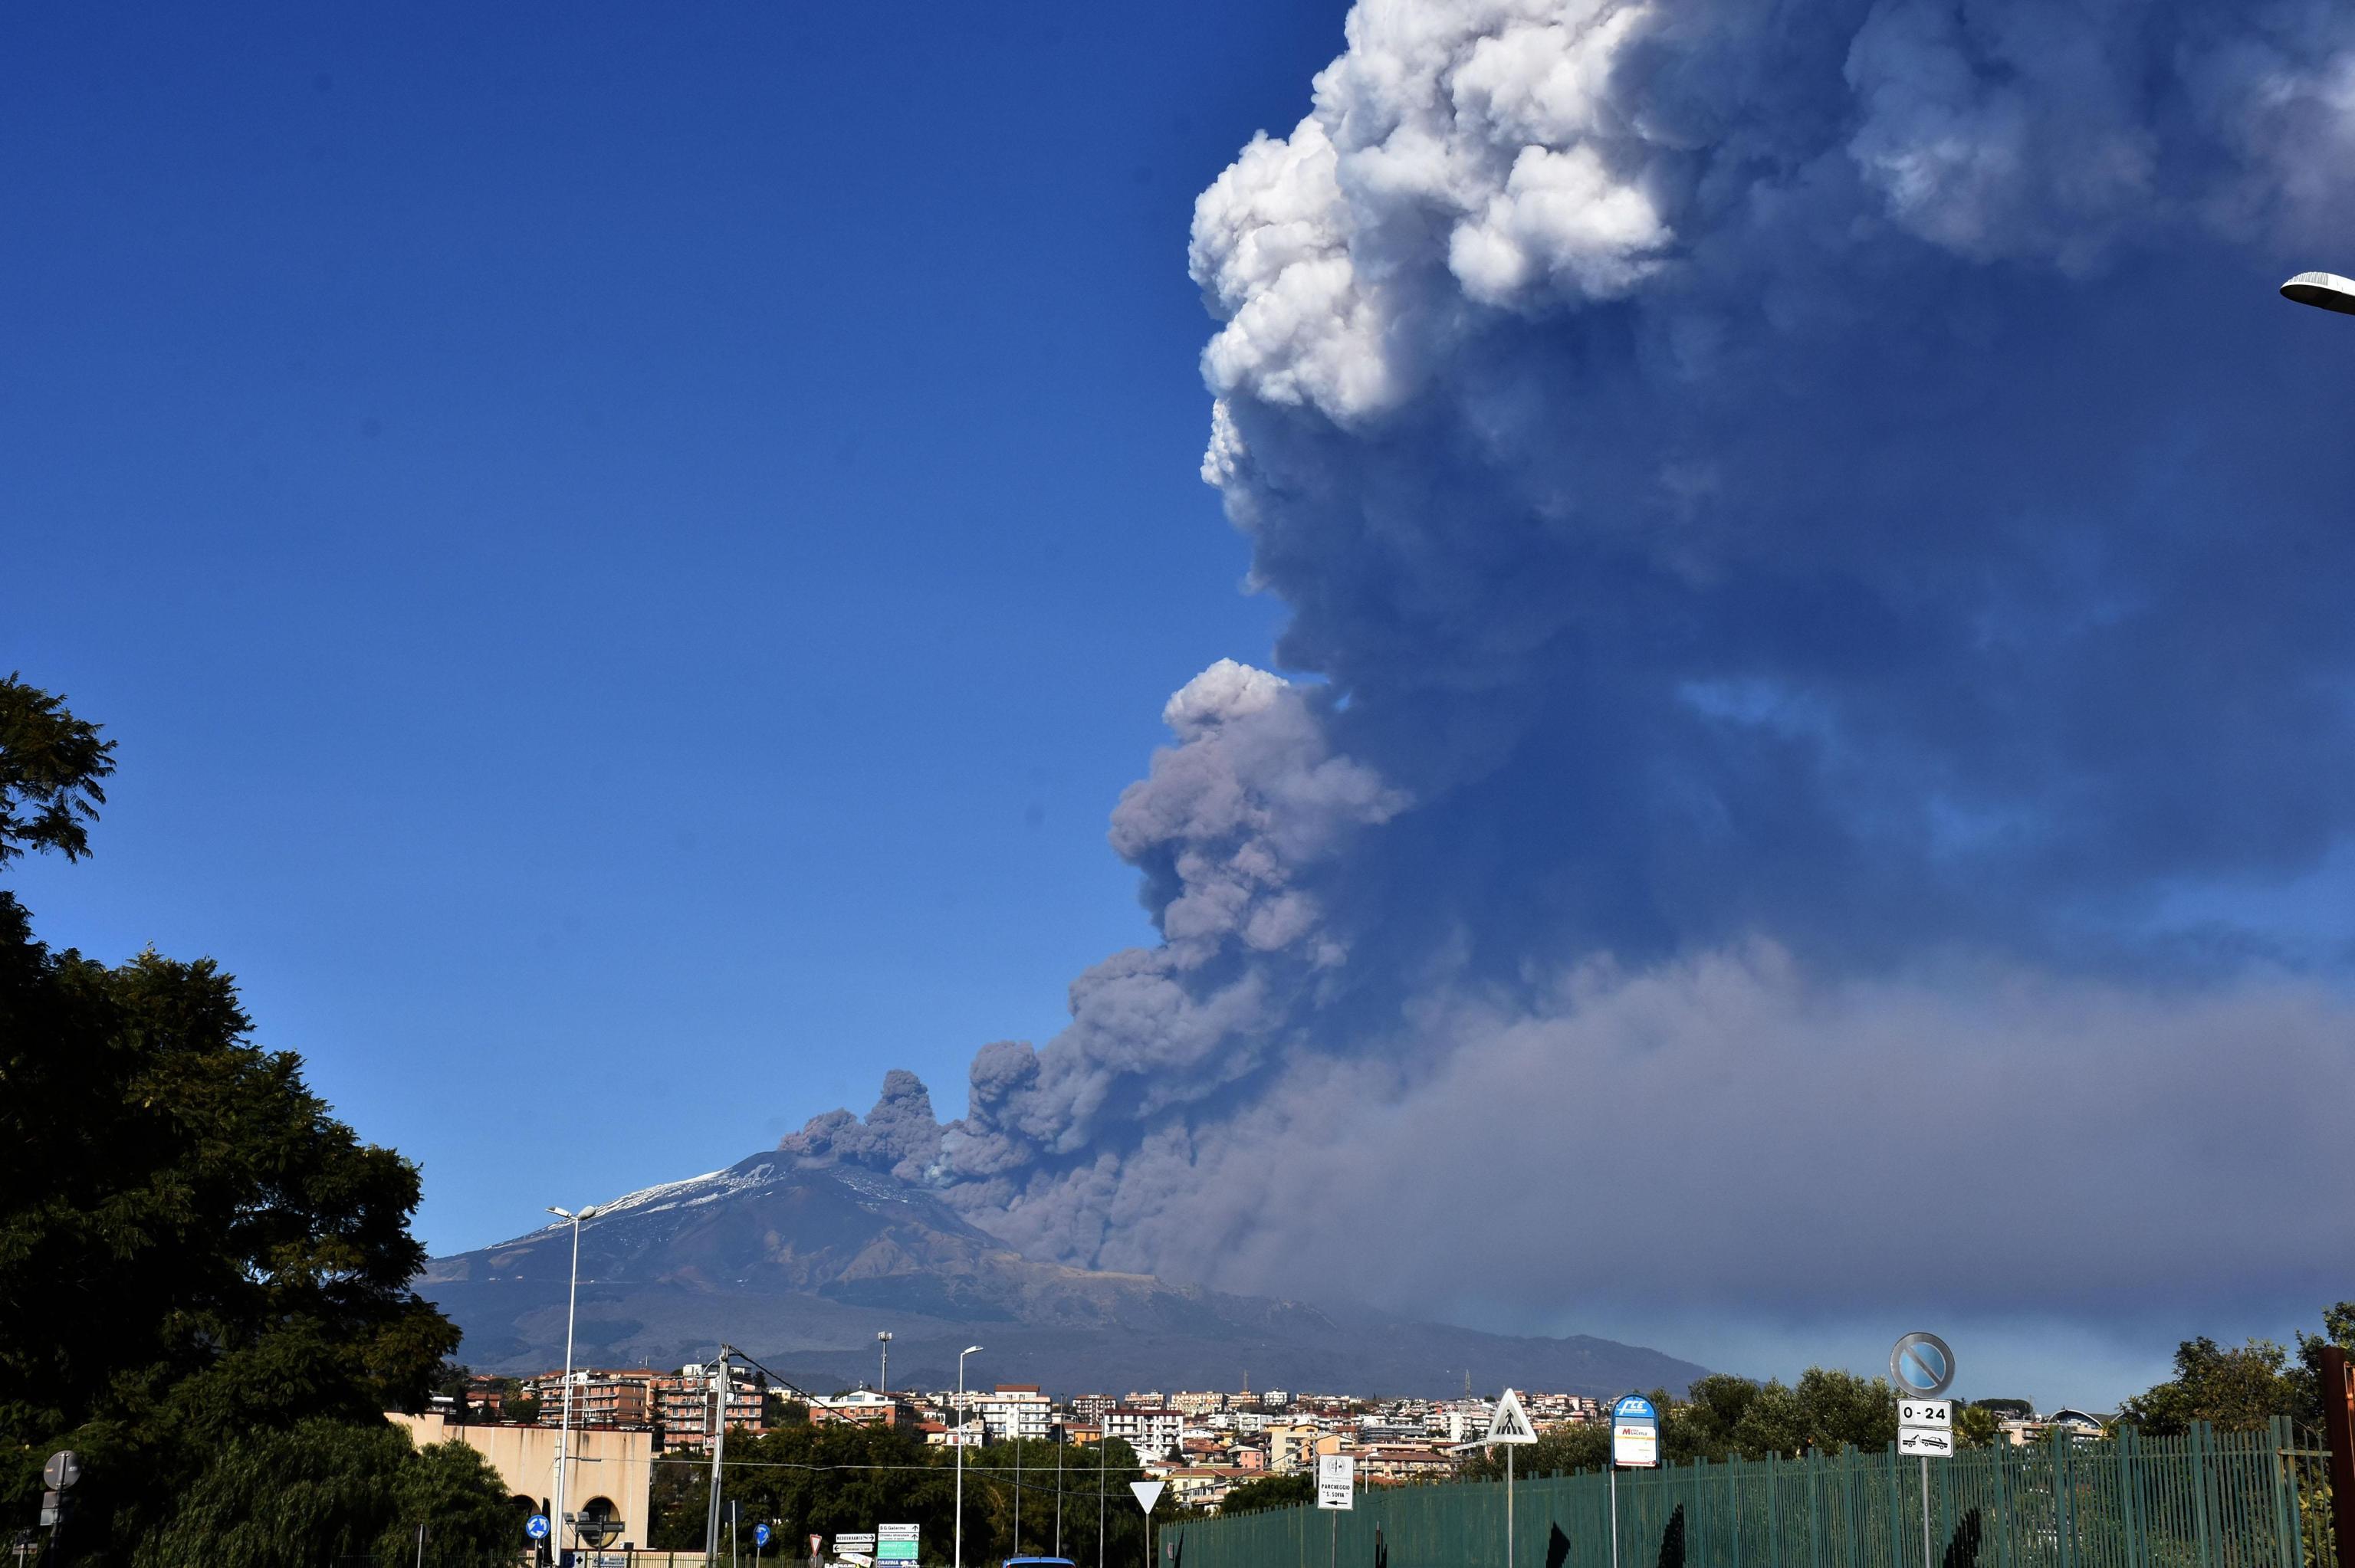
x=1725 y=1417
x=2236 y=1389
x=194 y=1254
x=824 y=1480
x=1976 y=1426
x=51 y=765
x=1267 y=1492
x=322 y=1491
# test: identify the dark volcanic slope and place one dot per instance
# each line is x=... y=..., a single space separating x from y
x=799 y=1266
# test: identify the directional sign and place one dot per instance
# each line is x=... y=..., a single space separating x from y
x=1922 y=1366
x=1337 y=1481
x=848 y=1540
x=760 y=1535
x=1512 y=1423
x=895 y=1542
x=1925 y=1427
x=1148 y=1493
x=536 y=1527
x=1635 y=1433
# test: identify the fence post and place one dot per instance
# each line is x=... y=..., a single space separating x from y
x=2285 y=1509
x=2201 y=1445
x=2339 y=1427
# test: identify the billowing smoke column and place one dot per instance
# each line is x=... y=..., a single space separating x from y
x=1823 y=599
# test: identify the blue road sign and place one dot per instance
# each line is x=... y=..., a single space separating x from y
x=536 y=1527
x=1922 y=1365
x=760 y=1535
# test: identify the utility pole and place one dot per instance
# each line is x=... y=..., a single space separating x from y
x=564 y=1428
x=718 y=1446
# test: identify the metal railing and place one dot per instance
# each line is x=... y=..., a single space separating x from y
x=2206 y=1499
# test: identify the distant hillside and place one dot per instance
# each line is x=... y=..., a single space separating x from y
x=799 y=1264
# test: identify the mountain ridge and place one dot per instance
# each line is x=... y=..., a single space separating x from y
x=799 y=1262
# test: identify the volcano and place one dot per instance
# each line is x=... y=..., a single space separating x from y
x=799 y=1264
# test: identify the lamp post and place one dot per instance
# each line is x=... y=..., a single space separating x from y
x=564 y=1428
x=2327 y=290
x=883 y=1379
x=960 y=1454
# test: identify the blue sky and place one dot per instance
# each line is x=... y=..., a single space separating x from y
x=628 y=556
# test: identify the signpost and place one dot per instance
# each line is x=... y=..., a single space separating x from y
x=1924 y=1369
x=759 y=1539
x=536 y=1527
x=1148 y=1493
x=1510 y=1426
x=896 y=1542
x=855 y=1546
x=1635 y=1443
x=1336 y=1488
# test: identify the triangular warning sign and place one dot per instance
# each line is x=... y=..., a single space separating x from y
x=1512 y=1423
x=1148 y=1493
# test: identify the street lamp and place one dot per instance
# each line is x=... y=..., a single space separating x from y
x=2327 y=289
x=564 y=1428
x=959 y=1440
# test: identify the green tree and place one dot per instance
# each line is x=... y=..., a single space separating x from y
x=2235 y=1390
x=194 y=1253
x=324 y=1490
x=50 y=766
x=1826 y=1410
x=1270 y=1492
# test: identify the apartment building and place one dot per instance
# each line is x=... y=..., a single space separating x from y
x=1197 y=1404
x=602 y=1396
x=1153 y=1432
x=683 y=1402
x=1012 y=1410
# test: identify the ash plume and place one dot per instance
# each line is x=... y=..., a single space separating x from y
x=1823 y=615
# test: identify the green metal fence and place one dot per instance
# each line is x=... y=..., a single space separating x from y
x=2208 y=1499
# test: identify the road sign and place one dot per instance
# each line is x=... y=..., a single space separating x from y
x=62 y=1471
x=1926 y=1428
x=1512 y=1423
x=1337 y=1481
x=1148 y=1493
x=1922 y=1366
x=1635 y=1433
x=536 y=1527
x=849 y=1541
x=896 y=1542
x=760 y=1535
x=818 y=1546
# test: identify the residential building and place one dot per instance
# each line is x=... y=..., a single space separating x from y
x=1151 y=1431
x=683 y=1406
x=1091 y=1406
x=863 y=1407
x=1197 y=1404
x=1013 y=1410
x=1387 y=1464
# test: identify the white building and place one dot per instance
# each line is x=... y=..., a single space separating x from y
x=1153 y=1433
x=1014 y=1410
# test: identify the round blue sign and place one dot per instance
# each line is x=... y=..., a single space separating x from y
x=536 y=1527
x=1634 y=1407
x=1922 y=1365
x=760 y=1535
